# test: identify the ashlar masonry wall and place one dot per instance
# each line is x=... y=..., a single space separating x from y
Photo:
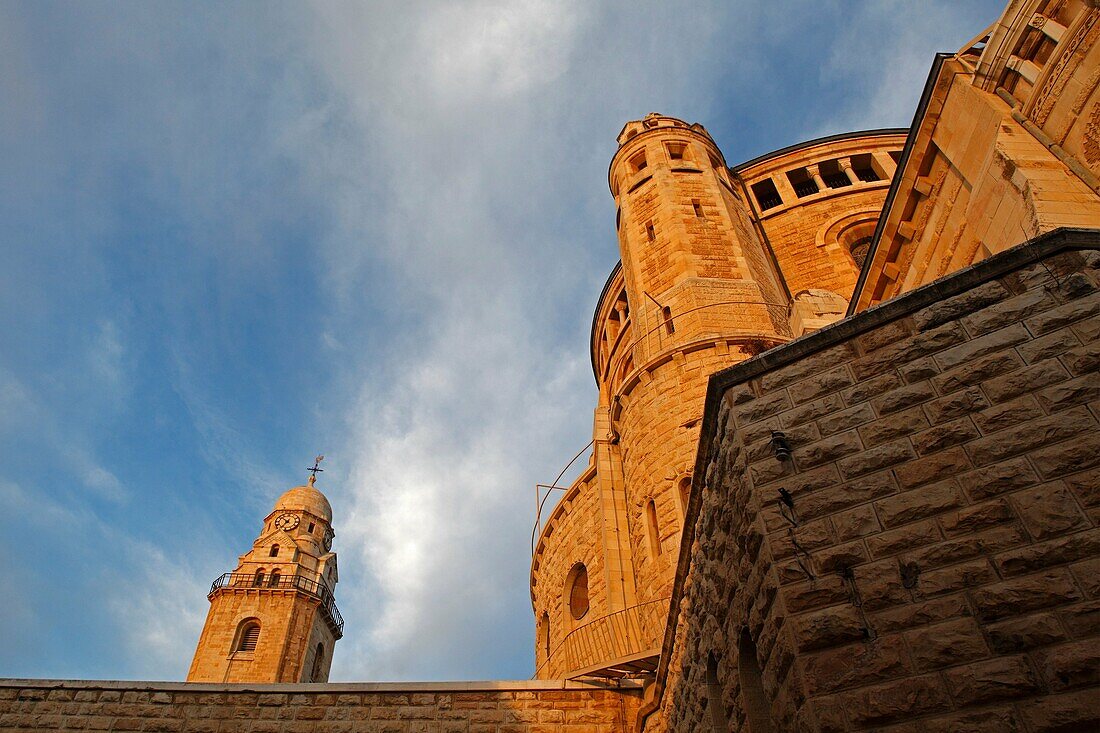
x=939 y=566
x=442 y=707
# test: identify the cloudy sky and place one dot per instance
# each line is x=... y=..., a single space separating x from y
x=234 y=235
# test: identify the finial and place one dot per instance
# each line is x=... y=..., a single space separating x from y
x=315 y=470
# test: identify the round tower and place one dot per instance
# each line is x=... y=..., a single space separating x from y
x=697 y=290
x=703 y=292
x=274 y=618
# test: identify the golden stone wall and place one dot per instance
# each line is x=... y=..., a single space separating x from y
x=700 y=288
x=1001 y=152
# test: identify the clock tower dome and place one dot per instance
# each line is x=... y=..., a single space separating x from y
x=274 y=618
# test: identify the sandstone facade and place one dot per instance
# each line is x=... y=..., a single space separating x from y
x=442 y=707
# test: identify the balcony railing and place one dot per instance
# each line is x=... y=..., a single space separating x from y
x=315 y=588
x=615 y=645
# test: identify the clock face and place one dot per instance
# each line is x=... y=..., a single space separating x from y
x=286 y=521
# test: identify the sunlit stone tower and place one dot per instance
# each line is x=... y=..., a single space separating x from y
x=274 y=618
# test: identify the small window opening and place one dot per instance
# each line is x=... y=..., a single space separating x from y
x=896 y=155
x=676 y=150
x=716 y=710
x=685 y=493
x=666 y=315
x=578 y=591
x=650 y=232
x=802 y=183
x=318 y=662
x=273 y=582
x=248 y=636
x=653 y=530
x=757 y=710
x=864 y=168
x=638 y=162
x=274 y=551
x=859 y=250
x=698 y=209
x=310 y=529
x=258 y=579
x=544 y=634
x=714 y=162
x=833 y=176
x=766 y=194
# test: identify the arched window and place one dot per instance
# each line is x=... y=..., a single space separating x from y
x=666 y=316
x=258 y=580
x=716 y=710
x=577 y=589
x=274 y=581
x=757 y=710
x=685 y=494
x=274 y=551
x=318 y=662
x=544 y=634
x=248 y=633
x=652 y=529
x=859 y=249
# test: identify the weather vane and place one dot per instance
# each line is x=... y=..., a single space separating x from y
x=316 y=469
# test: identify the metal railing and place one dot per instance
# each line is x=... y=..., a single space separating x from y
x=315 y=588
x=620 y=634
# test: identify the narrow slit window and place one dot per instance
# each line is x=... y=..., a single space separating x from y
x=698 y=208
x=650 y=232
x=544 y=634
x=274 y=551
x=318 y=663
x=666 y=316
x=310 y=529
x=716 y=710
x=578 y=591
x=653 y=530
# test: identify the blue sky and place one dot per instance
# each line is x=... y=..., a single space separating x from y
x=234 y=235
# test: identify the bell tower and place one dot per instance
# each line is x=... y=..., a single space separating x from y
x=274 y=618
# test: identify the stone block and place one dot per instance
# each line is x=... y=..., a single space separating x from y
x=1028 y=632
x=968 y=351
x=955 y=405
x=944 y=436
x=976 y=517
x=869 y=388
x=1063 y=315
x=1009 y=311
x=846 y=419
x=1074 y=711
x=946 y=644
x=1007 y=414
x=903 y=397
x=1043 y=555
x=919 y=503
x=948 y=463
x=960 y=305
x=1082 y=359
x=831 y=627
x=819 y=385
x=833 y=670
x=1018 y=440
x=922 y=344
x=995 y=679
x=1049 y=346
x=1029 y=593
x=906 y=538
x=827 y=450
x=1048 y=510
x=981 y=370
x=1075 y=392
x=858 y=522
x=1068 y=457
x=897 y=700
x=874 y=459
x=955 y=578
x=893 y=426
x=1028 y=379
x=998 y=478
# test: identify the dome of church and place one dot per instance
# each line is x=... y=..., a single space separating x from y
x=308 y=499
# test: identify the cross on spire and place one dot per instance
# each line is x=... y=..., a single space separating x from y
x=316 y=469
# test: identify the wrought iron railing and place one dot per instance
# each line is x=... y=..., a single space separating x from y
x=315 y=588
x=618 y=635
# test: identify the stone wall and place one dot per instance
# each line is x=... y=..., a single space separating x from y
x=445 y=707
x=937 y=568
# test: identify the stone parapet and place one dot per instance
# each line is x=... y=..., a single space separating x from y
x=544 y=706
x=927 y=557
